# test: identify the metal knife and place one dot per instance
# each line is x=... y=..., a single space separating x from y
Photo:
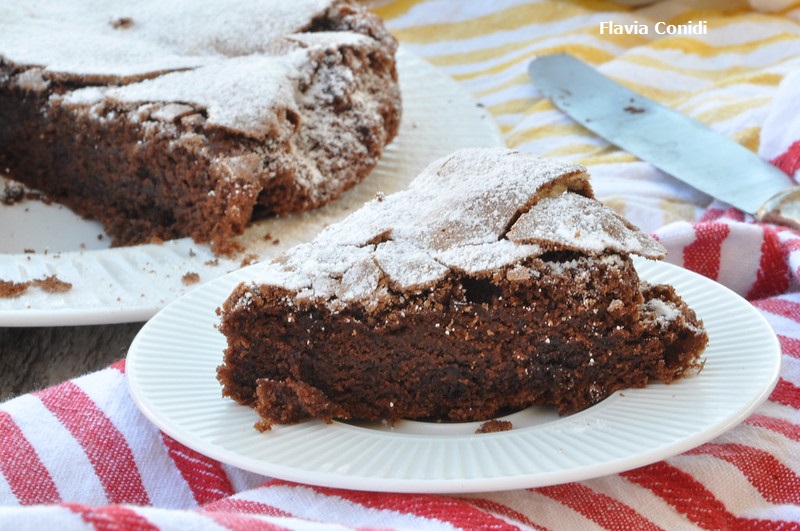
x=671 y=141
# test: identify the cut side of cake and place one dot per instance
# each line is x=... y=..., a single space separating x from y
x=191 y=118
x=493 y=283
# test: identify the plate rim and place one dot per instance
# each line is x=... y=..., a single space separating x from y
x=770 y=353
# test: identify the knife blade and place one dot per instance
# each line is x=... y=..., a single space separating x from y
x=671 y=141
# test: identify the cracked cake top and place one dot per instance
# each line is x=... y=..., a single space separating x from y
x=114 y=38
x=473 y=212
x=240 y=60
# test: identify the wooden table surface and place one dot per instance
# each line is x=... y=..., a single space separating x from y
x=38 y=357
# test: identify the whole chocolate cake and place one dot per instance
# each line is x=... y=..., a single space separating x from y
x=493 y=283
x=192 y=117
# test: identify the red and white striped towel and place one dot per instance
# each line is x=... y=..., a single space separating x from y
x=80 y=455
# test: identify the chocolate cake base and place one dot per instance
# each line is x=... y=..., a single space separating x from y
x=495 y=282
x=562 y=330
x=163 y=154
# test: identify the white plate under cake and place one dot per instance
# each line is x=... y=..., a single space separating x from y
x=629 y=429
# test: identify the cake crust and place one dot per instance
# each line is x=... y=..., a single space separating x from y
x=458 y=299
x=161 y=127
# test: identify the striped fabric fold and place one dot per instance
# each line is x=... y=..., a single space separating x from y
x=80 y=455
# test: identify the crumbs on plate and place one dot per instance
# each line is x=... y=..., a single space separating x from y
x=51 y=284
x=494 y=425
x=190 y=278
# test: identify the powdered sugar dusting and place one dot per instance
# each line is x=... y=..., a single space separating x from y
x=571 y=221
x=240 y=60
x=237 y=93
x=664 y=312
x=477 y=259
x=408 y=266
x=466 y=199
x=60 y=48
x=456 y=216
x=120 y=38
x=363 y=276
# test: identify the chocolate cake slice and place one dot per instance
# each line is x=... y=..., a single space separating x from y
x=493 y=283
x=192 y=117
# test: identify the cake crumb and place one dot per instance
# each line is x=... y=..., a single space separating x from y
x=122 y=23
x=249 y=259
x=15 y=192
x=51 y=284
x=10 y=289
x=12 y=192
x=494 y=426
x=190 y=278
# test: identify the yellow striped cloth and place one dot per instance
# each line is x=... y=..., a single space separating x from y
x=725 y=78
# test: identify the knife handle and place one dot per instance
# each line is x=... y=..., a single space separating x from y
x=782 y=208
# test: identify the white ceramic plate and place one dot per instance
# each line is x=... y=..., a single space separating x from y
x=132 y=283
x=171 y=372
